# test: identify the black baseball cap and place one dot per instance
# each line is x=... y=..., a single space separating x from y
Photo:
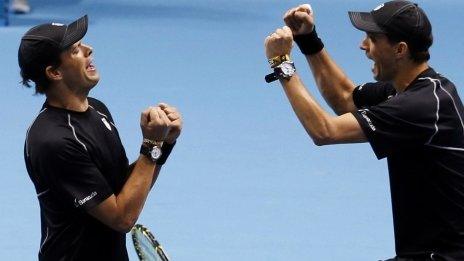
x=400 y=19
x=42 y=44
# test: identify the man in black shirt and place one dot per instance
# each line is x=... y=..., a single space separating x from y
x=412 y=115
x=89 y=195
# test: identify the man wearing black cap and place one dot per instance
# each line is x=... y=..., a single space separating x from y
x=412 y=116
x=89 y=196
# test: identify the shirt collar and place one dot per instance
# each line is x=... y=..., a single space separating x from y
x=429 y=72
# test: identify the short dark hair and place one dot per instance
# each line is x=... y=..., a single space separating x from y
x=36 y=72
x=418 y=54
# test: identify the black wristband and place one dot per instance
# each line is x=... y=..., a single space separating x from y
x=165 y=151
x=309 y=43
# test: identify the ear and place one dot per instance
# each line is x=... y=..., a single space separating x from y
x=402 y=50
x=53 y=73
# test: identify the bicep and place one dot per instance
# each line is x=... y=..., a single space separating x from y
x=350 y=106
x=334 y=85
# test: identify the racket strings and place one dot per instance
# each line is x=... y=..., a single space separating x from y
x=146 y=246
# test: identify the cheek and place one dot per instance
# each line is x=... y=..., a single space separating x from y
x=72 y=71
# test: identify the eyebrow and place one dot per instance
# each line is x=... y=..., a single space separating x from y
x=74 y=47
x=373 y=36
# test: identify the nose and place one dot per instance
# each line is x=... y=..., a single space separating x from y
x=88 y=50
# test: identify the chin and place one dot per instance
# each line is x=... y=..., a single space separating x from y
x=382 y=78
x=94 y=79
x=92 y=82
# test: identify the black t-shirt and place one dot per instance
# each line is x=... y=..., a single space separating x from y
x=421 y=132
x=76 y=161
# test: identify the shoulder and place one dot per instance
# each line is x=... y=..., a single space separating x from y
x=430 y=90
x=49 y=132
x=47 y=123
x=437 y=81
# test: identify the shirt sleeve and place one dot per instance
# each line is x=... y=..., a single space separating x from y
x=370 y=94
x=74 y=176
x=402 y=121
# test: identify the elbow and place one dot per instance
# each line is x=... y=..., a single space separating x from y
x=125 y=225
x=322 y=137
x=323 y=134
x=321 y=140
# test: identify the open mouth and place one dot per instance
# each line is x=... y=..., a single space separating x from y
x=90 y=66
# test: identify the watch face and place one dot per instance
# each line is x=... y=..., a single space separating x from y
x=155 y=153
x=287 y=68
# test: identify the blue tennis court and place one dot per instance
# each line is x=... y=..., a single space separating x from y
x=245 y=182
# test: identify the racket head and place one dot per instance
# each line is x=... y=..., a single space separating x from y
x=146 y=246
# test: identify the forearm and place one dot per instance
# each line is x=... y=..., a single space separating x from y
x=311 y=115
x=120 y=212
x=130 y=200
x=155 y=172
x=334 y=85
x=322 y=128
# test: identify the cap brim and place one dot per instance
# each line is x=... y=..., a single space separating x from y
x=364 y=22
x=75 y=32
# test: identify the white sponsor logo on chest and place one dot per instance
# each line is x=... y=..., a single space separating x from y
x=107 y=124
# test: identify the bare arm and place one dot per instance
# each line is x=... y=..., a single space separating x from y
x=122 y=211
x=155 y=172
x=322 y=127
x=334 y=85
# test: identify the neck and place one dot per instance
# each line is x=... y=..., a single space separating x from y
x=62 y=97
x=407 y=74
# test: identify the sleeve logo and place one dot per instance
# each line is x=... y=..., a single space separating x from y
x=368 y=120
x=80 y=202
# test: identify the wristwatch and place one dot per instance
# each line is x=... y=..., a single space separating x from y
x=284 y=70
x=151 y=149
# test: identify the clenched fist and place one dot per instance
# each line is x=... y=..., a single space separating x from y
x=279 y=43
x=155 y=124
x=176 y=122
x=300 y=19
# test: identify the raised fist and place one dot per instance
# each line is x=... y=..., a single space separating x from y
x=300 y=19
x=176 y=122
x=279 y=43
x=155 y=124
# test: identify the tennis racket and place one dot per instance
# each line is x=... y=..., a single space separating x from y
x=146 y=246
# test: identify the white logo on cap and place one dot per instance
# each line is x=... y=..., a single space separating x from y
x=57 y=24
x=378 y=7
